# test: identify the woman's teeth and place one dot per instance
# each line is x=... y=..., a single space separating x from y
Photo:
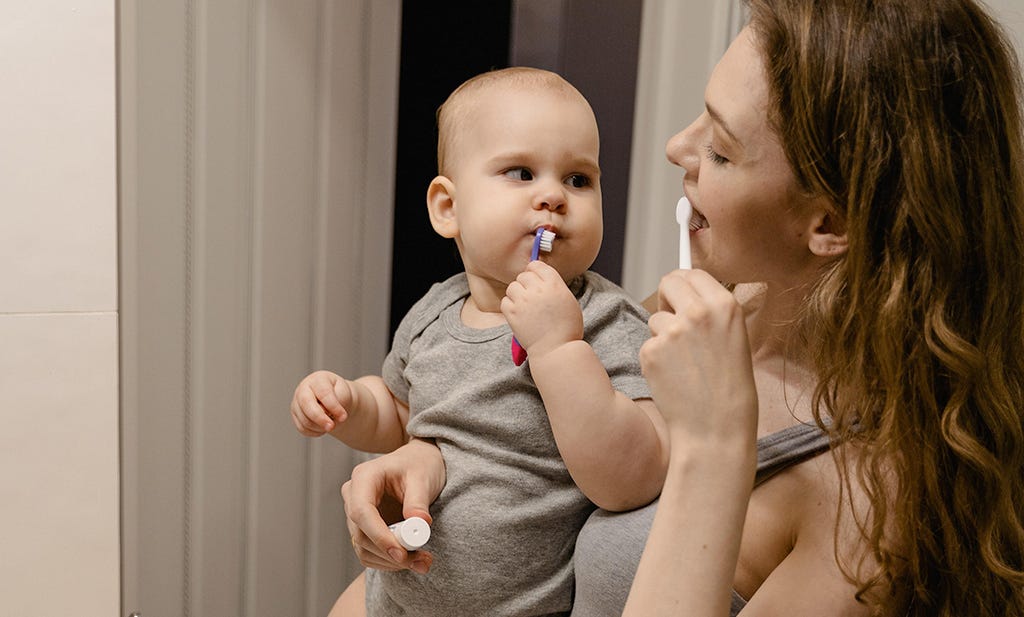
x=697 y=221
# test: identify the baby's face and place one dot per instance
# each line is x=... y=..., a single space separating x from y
x=524 y=159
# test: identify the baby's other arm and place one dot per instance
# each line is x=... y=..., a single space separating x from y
x=615 y=448
x=362 y=413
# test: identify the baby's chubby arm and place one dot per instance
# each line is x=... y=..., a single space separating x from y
x=362 y=413
x=615 y=448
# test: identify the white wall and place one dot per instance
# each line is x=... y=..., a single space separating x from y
x=58 y=310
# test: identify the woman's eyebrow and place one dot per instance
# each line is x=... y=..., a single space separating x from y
x=717 y=117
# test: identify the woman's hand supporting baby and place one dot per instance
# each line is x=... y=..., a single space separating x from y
x=411 y=478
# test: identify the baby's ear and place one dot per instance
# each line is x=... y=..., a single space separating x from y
x=441 y=206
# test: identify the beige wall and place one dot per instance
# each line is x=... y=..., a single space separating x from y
x=59 y=519
x=58 y=310
x=256 y=175
x=680 y=42
x=1011 y=14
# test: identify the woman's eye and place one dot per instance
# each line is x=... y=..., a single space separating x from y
x=713 y=156
x=519 y=173
x=578 y=181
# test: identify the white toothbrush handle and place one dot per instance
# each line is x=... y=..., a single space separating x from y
x=683 y=210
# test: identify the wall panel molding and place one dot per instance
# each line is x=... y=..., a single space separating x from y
x=257 y=158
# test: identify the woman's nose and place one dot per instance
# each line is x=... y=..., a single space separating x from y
x=683 y=150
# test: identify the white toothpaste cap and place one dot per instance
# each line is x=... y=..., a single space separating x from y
x=412 y=533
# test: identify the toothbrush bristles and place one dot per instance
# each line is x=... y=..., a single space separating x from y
x=547 y=239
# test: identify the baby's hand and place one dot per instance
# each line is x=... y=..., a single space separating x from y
x=321 y=400
x=541 y=310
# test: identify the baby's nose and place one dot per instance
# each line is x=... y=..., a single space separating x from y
x=550 y=199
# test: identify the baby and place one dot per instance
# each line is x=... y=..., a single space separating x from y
x=529 y=450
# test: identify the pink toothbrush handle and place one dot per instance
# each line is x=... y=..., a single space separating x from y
x=518 y=353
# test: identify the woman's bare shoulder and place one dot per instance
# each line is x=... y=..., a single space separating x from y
x=826 y=545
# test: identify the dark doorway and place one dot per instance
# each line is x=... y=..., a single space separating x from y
x=443 y=45
x=592 y=43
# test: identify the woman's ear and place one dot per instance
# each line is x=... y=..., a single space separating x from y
x=828 y=235
x=441 y=206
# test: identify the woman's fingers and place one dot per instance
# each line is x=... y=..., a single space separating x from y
x=679 y=288
x=697 y=360
x=412 y=476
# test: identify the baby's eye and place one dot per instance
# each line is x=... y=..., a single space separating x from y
x=519 y=173
x=578 y=181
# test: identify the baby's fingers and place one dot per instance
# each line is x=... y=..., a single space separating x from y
x=318 y=405
x=326 y=393
x=542 y=270
x=304 y=425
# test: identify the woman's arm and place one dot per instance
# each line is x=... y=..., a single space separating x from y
x=689 y=562
x=698 y=365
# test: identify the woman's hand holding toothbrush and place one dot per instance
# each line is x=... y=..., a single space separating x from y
x=697 y=361
x=541 y=310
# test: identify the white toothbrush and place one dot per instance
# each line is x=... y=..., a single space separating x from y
x=683 y=211
x=547 y=240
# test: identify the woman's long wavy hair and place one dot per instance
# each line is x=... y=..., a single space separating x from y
x=907 y=115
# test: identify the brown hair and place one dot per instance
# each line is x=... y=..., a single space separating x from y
x=906 y=114
x=454 y=111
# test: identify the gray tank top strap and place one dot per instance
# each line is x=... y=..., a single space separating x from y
x=788 y=447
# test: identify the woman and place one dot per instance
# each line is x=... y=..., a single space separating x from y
x=858 y=174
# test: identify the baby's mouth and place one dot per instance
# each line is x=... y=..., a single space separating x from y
x=697 y=221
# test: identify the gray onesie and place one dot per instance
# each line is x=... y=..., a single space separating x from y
x=506 y=522
x=610 y=544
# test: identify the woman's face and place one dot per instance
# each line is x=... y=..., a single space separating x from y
x=754 y=220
